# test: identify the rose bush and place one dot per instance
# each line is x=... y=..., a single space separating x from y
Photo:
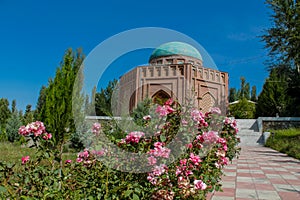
x=180 y=153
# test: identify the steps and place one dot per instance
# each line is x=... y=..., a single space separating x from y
x=248 y=132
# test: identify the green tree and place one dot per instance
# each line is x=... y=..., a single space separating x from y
x=39 y=112
x=253 y=94
x=282 y=41
x=4 y=113
x=273 y=99
x=242 y=90
x=247 y=91
x=13 y=106
x=233 y=95
x=283 y=38
x=28 y=116
x=12 y=127
x=103 y=99
x=56 y=101
x=90 y=102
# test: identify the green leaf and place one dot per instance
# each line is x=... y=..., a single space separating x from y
x=163 y=138
x=2 y=189
x=135 y=197
x=128 y=192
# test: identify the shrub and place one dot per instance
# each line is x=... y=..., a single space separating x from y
x=286 y=141
x=179 y=153
x=12 y=126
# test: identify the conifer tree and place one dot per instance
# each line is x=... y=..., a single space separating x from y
x=273 y=99
x=103 y=99
x=12 y=127
x=253 y=94
x=4 y=112
x=56 y=101
x=13 y=106
x=28 y=116
x=232 y=95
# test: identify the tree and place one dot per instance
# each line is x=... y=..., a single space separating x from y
x=247 y=91
x=283 y=42
x=253 y=94
x=28 y=116
x=56 y=101
x=90 y=102
x=283 y=39
x=233 y=95
x=243 y=109
x=4 y=112
x=12 y=127
x=273 y=99
x=103 y=99
x=13 y=106
x=242 y=90
x=39 y=112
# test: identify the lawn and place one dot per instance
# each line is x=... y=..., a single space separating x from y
x=286 y=141
x=12 y=153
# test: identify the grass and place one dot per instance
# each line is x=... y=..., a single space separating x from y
x=286 y=141
x=13 y=153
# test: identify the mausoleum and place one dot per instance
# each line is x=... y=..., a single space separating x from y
x=175 y=70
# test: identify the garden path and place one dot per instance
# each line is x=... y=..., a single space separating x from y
x=260 y=173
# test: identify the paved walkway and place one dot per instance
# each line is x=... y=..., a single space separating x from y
x=261 y=173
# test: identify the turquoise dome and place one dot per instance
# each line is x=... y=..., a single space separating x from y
x=175 y=48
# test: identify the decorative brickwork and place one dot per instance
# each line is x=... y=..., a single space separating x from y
x=177 y=76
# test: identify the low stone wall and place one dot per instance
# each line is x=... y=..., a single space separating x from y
x=268 y=123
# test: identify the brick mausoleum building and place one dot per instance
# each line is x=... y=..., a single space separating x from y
x=175 y=70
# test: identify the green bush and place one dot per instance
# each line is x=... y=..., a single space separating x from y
x=104 y=171
x=286 y=141
x=243 y=109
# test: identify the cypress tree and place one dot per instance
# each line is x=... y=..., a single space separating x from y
x=55 y=102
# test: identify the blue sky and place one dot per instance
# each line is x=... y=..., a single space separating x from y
x=35 y=35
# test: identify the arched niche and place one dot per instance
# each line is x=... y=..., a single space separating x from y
x=208 y=101
x=160 y=97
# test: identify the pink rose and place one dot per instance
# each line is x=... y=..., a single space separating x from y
x=199 y=185
x=25 y=159
x=68 y=161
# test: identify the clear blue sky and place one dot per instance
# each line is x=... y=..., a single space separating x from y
x=35 y=35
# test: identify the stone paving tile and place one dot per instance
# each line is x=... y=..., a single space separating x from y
x=289 y=195
x=261 y=173
x=272 y=195
x=246 y=193
x=228 y=184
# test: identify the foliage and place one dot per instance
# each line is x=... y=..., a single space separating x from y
x=286 y=141
x=90 y=103
x=56 y=102
x=39 y=112
x=4 y=112
x=28 y=115
x=244 y=109
x=142 y=109
x=282 y=41
x=12 y=127
x=233 y=96
x=197 y=170
x=273 y=99
x=13 y=106
x=103 y=99
x=253 y=94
